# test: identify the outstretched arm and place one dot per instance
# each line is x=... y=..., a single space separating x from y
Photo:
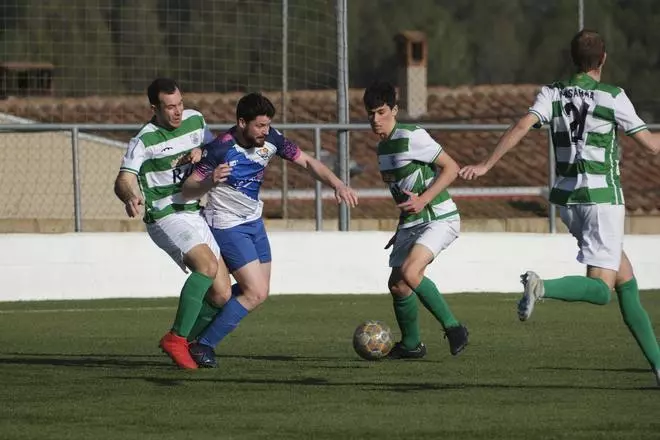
x=320 y=172
x=509 y=139
x=126 y=188
x=650 y=141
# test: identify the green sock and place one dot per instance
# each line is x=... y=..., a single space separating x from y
x=206 y=315
x=190 y=303
x=407 y=316
x=578 y=288
x=435 y=303
x=638 y=321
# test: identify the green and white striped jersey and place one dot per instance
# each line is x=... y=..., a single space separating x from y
x=406 y=161
x=584 y=116
x=153 y=155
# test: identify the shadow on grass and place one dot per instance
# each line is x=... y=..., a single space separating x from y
x=133 y=361
x=381 y=386
x=82 y=360
x=157 y=360
x=346 y=359
x=152 y=360
x=614 y=370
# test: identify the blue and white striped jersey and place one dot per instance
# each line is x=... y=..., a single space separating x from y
x=236 y=201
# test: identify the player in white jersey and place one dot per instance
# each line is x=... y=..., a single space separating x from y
x=234 y=209
x=418 y=172
x=584 y=115
x=155 y=164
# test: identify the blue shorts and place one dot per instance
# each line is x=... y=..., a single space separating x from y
x=243 y=244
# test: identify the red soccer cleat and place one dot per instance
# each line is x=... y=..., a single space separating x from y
x=176 y=347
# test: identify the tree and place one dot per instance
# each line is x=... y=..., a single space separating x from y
x=77 y=43
x=373 y=25
x=118 y=46
x=139 y=44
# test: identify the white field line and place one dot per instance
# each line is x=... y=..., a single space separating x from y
x=108 y=309
x=133 y=309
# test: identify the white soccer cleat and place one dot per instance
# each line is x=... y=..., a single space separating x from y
x=533 y=291
x=657 y=377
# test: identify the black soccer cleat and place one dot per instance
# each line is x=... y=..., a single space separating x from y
x=401 y=352
x=203 y=355
x=458 y=338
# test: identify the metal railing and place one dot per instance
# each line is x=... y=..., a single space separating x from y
x=318 y=194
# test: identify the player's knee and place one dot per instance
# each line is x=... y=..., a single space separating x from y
x=603 y=295
x=208 y=267
x=606 y=297
x=256 y=295
x=202 y=262
x=261 y=295
x=412 y=276
x=218 y=296
x=399 y=288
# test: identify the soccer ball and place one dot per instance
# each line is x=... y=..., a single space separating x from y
x=372 y=340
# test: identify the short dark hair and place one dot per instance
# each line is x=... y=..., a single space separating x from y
x=252 y=105
x=587 y=50
x=378 y=94
x=158 y=86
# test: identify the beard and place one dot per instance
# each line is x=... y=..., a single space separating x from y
x=253 y=140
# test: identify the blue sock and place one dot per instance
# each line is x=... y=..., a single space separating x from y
x=223 y=324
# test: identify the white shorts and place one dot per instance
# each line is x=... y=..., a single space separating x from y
x=178 y=233
x=435 y=236
x=598 y=229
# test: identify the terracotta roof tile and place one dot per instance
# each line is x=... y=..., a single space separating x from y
x=527 y=165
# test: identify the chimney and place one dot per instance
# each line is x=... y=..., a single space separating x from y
x=412 y=56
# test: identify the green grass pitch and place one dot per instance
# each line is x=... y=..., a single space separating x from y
x=92 y=370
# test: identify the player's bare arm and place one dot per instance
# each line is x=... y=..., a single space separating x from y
x=647 y=140
x=198 y=184
x=509 y=140
x=448 y=173
x=316 y=169
x=126 y=188
x=193 y=156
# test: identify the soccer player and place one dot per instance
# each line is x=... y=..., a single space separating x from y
x=155 y=164
x=584 y=115
x=418 y=172
x=234 y=210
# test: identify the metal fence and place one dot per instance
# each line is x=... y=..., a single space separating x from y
x=78 y=133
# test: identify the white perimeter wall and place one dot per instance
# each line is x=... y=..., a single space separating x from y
x=96 y=265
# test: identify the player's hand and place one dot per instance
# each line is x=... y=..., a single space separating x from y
x=195 y=155
x=391 y=242
x=221 y=173
x=415 y=204
x=344 y=193
x=471 y=172
x=133 y=205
